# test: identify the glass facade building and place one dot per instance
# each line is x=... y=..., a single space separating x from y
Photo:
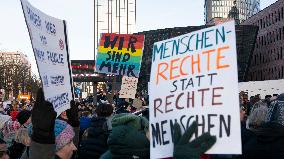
x=114 y=16
x=238 y=9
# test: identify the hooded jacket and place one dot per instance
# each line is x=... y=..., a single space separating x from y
x=128 y=139
x=269 y=138
x=268 y=143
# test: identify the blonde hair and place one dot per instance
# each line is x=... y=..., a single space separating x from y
x=22 y=136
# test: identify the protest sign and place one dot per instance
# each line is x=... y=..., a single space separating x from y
x=120 y=54
x=194 y=78
x=48 y=36
x=128 y=87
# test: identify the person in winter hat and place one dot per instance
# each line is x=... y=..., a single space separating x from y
x=9 y=131
x=24 y=117
x=269 y=139
x=94 y=142
x=51 y=138
x=258 y=114
x=73 y=120
x=3 y=119
x=130 y=139
x=64 y=135
x=23 y=139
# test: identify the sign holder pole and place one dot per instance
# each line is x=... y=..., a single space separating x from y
x=68 y=58
x=95 y=99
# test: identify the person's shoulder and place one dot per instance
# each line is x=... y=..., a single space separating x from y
x=106 y=155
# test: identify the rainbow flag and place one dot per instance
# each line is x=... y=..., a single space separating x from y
x=120 y=54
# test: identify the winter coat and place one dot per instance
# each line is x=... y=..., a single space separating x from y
x=127 y=143
x=16 y=150
x=268 y=143
x=84 y=124
x=246 y=134
x=26 y=153
x=42 y=151
x=96 y=142
x=14 y=114
x=77 y=136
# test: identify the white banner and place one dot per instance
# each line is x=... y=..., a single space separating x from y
x=128 y=87
x=49 y=40
x=194 y=78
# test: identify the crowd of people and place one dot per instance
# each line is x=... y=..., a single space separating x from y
x=118 y=128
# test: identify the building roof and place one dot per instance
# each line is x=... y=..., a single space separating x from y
x=246 y=36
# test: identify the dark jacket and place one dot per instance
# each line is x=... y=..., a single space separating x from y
x=268 y=143
x=16 y=150
x=126 y=142
x=42 y=151
x=246 y=134
x=96 y=142
x=84 y=124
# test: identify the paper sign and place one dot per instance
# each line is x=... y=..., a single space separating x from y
x=194 y=78
x=128 y=87
x=120 y=54
x=49 y=40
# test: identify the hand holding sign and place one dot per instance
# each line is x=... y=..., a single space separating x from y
x=194 y=149
x=43 y=119
x=72 y=114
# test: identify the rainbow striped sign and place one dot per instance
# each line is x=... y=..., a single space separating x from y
x=120 y=54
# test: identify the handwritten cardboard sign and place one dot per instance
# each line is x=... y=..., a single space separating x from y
x=128 y=87
x=49 y=40
x=120 y=54
x=194 y=78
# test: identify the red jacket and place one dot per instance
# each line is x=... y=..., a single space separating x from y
x=14 y=114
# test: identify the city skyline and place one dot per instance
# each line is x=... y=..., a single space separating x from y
x=80 y=22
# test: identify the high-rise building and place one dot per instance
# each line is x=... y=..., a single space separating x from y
x=114 y=16
x=245 y=38
x=15 y=57
x=240 y=10
x=267 y=62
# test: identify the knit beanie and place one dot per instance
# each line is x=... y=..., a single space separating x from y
x=132 y=120
x=128 y=137
x=64 y=134
x=23 y=116
x=9 y=131
x=3 y=120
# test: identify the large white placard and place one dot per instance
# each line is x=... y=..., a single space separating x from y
x=194 y=78
x=49 y=40
x=128 y=87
